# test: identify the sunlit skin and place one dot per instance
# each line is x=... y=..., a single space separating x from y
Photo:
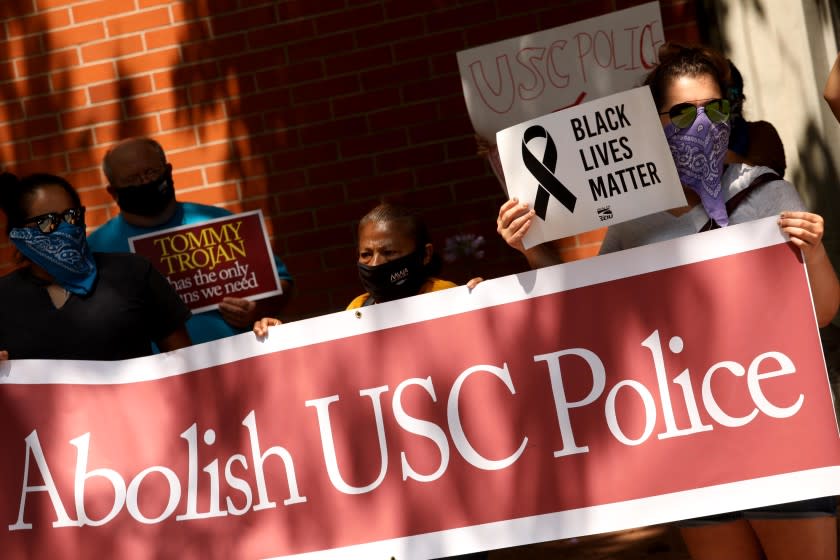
x=379 y=243
x=382 y=242
x=804 y=228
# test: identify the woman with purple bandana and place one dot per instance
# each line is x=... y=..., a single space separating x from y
x=689 y=85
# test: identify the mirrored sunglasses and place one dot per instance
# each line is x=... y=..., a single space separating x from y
x=682 y=115
x=49 y=222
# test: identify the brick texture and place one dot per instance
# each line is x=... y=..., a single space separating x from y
x=311 y=111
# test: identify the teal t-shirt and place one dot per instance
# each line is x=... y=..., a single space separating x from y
x=112 y=237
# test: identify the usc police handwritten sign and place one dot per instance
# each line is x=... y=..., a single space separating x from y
x=666 y=382
x=212 y=260
x=525 y=77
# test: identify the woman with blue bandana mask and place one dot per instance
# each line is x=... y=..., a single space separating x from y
x=689 y=87
x=65 y=302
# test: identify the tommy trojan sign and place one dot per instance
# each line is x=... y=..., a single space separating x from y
x=211 y=260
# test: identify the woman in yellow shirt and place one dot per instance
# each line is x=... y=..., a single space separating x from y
x=396 y=259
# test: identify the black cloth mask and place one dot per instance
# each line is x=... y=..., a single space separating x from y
x=149 y=199
x=395 y=279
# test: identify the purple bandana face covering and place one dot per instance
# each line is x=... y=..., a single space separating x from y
x=698 y=152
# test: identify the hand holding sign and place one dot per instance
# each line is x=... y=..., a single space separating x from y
x=603 y=161
x=238 y=312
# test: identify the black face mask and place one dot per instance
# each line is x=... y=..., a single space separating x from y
x=149 y=199
x=395 y=279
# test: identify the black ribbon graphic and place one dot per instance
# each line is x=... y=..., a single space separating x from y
x=543 y=171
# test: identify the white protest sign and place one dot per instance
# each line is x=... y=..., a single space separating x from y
x=592 y=165
x=525 y=77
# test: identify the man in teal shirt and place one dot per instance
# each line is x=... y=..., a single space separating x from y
x=140 y=180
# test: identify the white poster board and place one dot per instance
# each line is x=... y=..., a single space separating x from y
x=525 y=77
x=590 y=166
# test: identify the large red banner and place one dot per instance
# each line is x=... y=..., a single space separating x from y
x=660 y=383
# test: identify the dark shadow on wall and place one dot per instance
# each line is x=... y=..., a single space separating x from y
x=37 y=116
x=235 y=73
x=219 y=68
x=37 y=92
x=817 y=177
x=42 y=99
x=818 y=180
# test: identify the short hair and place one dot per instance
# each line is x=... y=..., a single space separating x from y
x=414 y=225
x=15 y=194
x=107 y=168
x=677 y=60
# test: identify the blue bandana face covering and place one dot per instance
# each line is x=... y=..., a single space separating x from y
x=699 y=151
x=64 y=254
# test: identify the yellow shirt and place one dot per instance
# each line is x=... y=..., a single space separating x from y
x=430 y=285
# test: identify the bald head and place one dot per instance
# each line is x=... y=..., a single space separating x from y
x=140 y=180
x=134 y=162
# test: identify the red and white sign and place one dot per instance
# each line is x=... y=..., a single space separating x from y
x=209 y=261
x=521 y=78
x=664 y=382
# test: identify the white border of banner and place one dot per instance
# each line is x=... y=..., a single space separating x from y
x=588 y=521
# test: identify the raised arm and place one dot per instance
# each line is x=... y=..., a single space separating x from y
x=832 y=89
x=806 y=231
x=513 y=222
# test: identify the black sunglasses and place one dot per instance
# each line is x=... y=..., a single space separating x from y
x=50 y=221
x=682 y=115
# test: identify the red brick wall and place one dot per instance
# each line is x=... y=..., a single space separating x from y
x=312 y=110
